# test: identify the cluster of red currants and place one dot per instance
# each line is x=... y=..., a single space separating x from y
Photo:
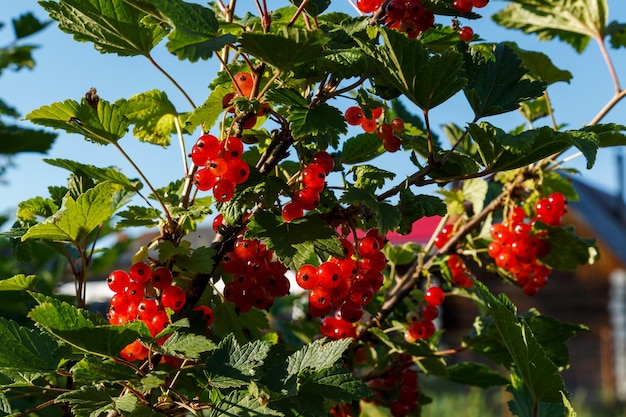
x=386 y=131
x=516 y=248
x=256 y=277
x=346 y=284
x=466 y=33
x=220 y=165
x=421 y=326
x=313 y=182
x=243 y=84
x=407 y=16
x=143 y=294
x=461 y=275
x=399 y=388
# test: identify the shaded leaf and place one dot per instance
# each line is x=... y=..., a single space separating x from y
x=113 y=175
x=496 y=85
x=293 y=242
x=245 y=326
x=27 y=24
x=240 y=404
x=94 y=369
x=538 y=372
x=317 y=355
x=234 y=365
x=285 y=49
x=540 y=66
x=137 y=216
x=475 y=374
x=361 y=148
x=568 y=250
x=15 y=139
x=88 y=401
x=318 y=120
x=27 y=350
x=425 y=78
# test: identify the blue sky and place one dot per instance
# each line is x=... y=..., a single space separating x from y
x=67 y=69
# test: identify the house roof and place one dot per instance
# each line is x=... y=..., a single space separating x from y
x=604 y=213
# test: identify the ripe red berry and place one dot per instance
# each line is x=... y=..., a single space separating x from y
x=118 y=280
x=323 y=159
x=369 y=125
x=395 y=9
x=314 y=177
x=206 y=147
x=237 y=172
x=434 y=296
x=392 y=143
x=231 y=148
x=368 y=246
x=140 y=272
x=161 y=278
x=353 y=115
x=397 y=124
x=480 y=3
x=307 y=198
x=368 y=6
x=217 y=166
x=223 y=190
x=466 y=33
x=173 y=297
x=204 y=179
x=329 y=275
x=245 y=82
x=292 y=211
x=463 y=6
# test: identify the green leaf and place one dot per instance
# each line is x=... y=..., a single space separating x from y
x=523 y=404
x=28 y=350
x=15 y=139
x=94 y=370
x=26 y=25
x=318 y=120
x=361 y=148
x=387 y=216
x=136 y=216
x=427 y=79
x=233 y=365
x=105 y=125
x=475 y=374
x=245 y=326
x=316 y=356
x=283 y=50
x=152 y=115
x=539 y=373
x=207 y=113
x=113 y=175
x=500 y=151
x=414 y=207
x=200 y=261
x=475 y=191
x=616 y=32
x=336 y=383
x=186 y=345
x=195 y=29
x=572 y=251
x=18 y=282
x=76 y=219
x=88 y=401
x=113 y=26
x=496 y=85
x=240 y=404
x=572 y=21
x=370 y=178
x=313 y=7
x=540 y=66
x=293 y=242
x=77 y=328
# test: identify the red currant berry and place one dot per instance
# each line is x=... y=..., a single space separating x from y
x=306 y=277
x=392 y=144
x=218 y=222
x=140 y=272
x=231 y=148
x=245 y=82
x=368 y=6
x=480 y=3
x=245 y=249
x=323 y=159
x=434 y=296
x=397 y=124
x=369 y=125
x=223 y=190
x=206 y=147
x=314 y=177
x=329 y=275
x=463 y=6
x=395 y=9
x=466 y=33
x=118 y=280
x=368 y=246
x=430 y=312
x=307 y=198
x=161 y=278
x=173 y=297
x=238 y=171
x=353 y=115
x=217 y=166
x=292 y=211
x=204 y=179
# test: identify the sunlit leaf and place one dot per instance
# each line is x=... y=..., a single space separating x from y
x=152 y=114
